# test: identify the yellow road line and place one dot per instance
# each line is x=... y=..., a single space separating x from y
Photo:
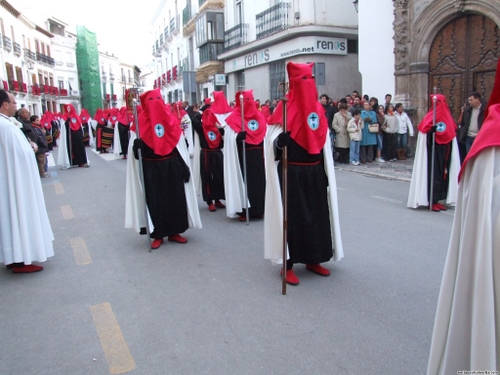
x=67 y=212
x=82 y=256
x=59 y=188
x=112 y=341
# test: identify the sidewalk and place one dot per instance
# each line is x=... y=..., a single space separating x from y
x=396 y=170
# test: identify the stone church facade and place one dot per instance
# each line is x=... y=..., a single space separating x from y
x=449 y=47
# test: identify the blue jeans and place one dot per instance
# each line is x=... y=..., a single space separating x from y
x=468 y=143
x=402 y=140
x=379 y=142
x=354 y=151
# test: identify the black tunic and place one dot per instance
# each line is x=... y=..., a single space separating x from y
x=256 y=175
x=309 y=234
x=76 y=148
x=442 y=161
x=164 y=178
x=211 y=166
x=123 y=131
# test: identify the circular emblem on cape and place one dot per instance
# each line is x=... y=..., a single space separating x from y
x=313 y=120
x=102 y=119
x=159 y=130
x=114 y=118
x=212 y=136
x=73 y=120
x=440 y=127
x=253 y=125
x=46 y=123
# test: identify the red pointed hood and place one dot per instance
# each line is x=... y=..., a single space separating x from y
x=178 y=111
x=100 y=116
x=209 y=123
x=446 y=127
x=255 y=123
x=489 y=134
x=46 y=120
x=74 y=120
x=159 y=129
x=220 y=105
x=306 y=119
x=114 y=113
x=84 y=115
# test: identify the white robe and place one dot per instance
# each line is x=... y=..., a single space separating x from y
x=117 y=145
x=62 y=151
x=134 y=198
x=234 y=186
x=188 y=133
x=418 y=194
x=273 y=214
x=25 y=230
x=467 y=327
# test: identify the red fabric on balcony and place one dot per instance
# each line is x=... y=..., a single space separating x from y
x=25 y=88
x=6 y=85
x=16 y=86
x=174 y=72
x=169 y=76
x=114 y=97
x=164 y=78
x=64 y=92
x=108 y=97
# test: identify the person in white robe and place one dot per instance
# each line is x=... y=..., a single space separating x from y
x=25 y=231
x=466 y=334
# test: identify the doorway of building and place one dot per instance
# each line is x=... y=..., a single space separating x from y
x=463 y=58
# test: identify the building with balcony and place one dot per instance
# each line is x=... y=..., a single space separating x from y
x=111 y=80
x=27 y=65
x=65 y=69
x=260 y=40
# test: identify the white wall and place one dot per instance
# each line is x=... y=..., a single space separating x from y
x=376 y=48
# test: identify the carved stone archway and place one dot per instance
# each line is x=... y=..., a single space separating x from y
x=413 y=41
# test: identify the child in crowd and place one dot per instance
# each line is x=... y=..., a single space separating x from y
x=354 y=128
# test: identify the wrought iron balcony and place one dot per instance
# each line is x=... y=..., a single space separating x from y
x=186 y=15
x=45 y=59
x=166 y=33
x=173 y=25
x=29 y=55
x=161 y=38
x=273 y=20
x=236 y=36
x=183 y=65
x=210 y=51
x=7 y=44
x=17 y=49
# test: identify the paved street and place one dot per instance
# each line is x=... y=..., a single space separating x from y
x=104 y=304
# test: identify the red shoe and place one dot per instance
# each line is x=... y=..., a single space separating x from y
x=242 y=218
x=156 y=243
x=177 y=238
x=291 y=278
x=125 y=156
x=219 y=204
x=435 y=207
x=317 y=268
x=211 y=207
x=27 y=268
x=442 y=207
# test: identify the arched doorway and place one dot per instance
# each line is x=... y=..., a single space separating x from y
x=463 y=58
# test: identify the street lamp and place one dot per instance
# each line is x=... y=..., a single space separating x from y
x=355 y=2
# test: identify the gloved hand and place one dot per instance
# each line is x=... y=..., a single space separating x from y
x=138 y=143
x=433 y=129
x=283 y=140
x=221 y=131
x=241 y=136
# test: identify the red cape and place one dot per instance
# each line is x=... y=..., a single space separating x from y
x=212 y=134
x=446 y=127
x=255 y=123
x=159 y=129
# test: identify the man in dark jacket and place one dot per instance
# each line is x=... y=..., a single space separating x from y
x=23 y=116
x=43 y=149
x=329 y=113
x=471 y=120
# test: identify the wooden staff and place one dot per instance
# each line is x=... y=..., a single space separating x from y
x=284 y=190
x=433 y=153
x=245 y=177
x=141 y=173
